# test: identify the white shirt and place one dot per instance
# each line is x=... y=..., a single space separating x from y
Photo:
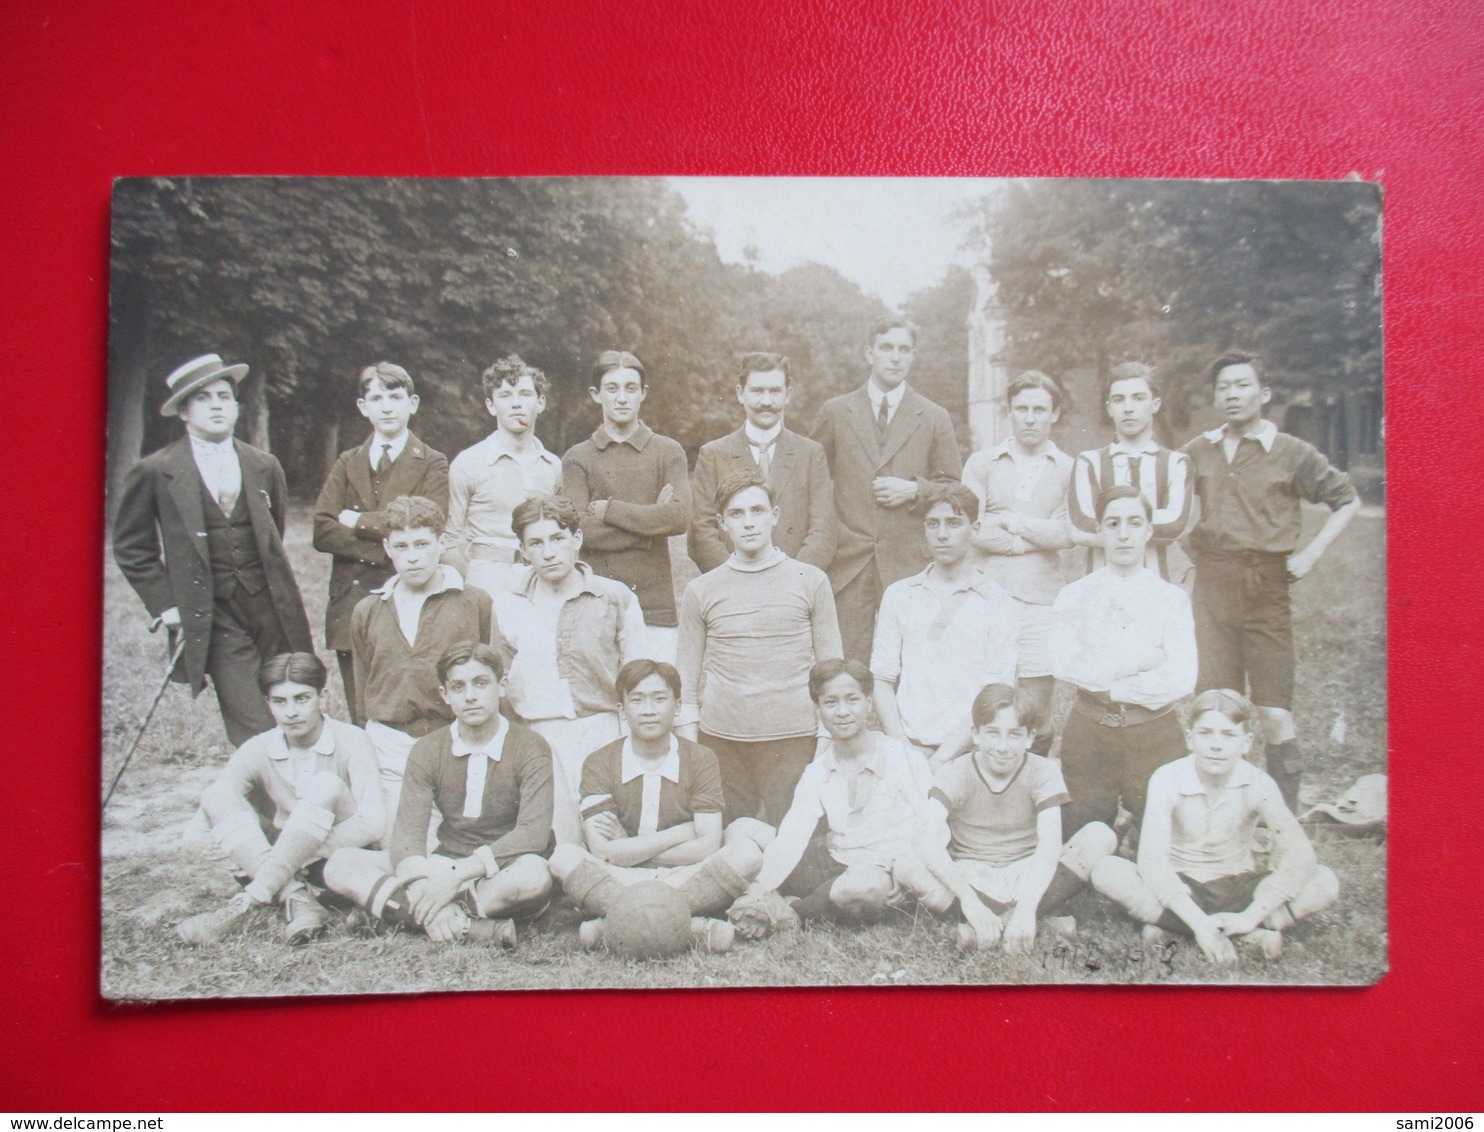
x=631 y=768
x=221 y=469
x=893 y=399
x=1103 y=621
x=479 y=763
x=392 y=448
x=761 y=441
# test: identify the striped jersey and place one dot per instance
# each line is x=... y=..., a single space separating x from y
x=1163 y=479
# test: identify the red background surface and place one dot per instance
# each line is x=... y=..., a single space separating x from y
x=91 y=91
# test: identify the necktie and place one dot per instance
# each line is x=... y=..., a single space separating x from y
x=765 y=460
x=384 y=464
x=882 y=420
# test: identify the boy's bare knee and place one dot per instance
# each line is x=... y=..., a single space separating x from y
x=530 y=878
x=751 y=830
x=564 y=859
x=744 y=856
x=861 y=889
x=1277 y=724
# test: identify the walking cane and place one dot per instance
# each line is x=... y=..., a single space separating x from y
x=179 y=647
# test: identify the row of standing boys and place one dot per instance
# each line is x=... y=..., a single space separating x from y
x=813 y=549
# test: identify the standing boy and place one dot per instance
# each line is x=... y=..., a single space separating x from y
x=652 y=810
x=884 y=443
x=199 y=535
x=490 y=783
x=749 y=632
x=1252 y=480
x=1131 y=399
x=488 y=481
x=631 y=488
x=310 y=784
x=398 y=632
x=348 y=519
x=942 y=634
x=1022 y=487
x=571 y=631
x=793 y=465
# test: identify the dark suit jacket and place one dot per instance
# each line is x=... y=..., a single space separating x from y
x=919 y=445
x=159 y=542
x=360 y=563
x=801 y=484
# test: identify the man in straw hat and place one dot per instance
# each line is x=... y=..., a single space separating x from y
x=198 y=534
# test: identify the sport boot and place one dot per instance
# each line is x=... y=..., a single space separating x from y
x=306 y=917
x=492 y=933
x=212 y=927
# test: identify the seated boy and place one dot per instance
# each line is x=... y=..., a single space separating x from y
x=398 y=632
x=870 y=792
x=318 y=780
x=571 y=631
x=348 y=523
x=993 y=831
x=490 y=782
x=651 y=809
x=1196 y=874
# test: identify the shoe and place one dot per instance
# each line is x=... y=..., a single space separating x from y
x=966 y=939
x=492 y=933
x=590 y=935
x=1268 y=942
x=306 y=917
x=210 y=927
x=714 y=936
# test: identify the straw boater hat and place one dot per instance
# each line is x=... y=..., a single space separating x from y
x=193 y=375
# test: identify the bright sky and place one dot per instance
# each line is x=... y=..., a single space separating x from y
x=891 y=235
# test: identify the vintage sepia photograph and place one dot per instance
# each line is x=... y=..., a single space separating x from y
x=561 y=583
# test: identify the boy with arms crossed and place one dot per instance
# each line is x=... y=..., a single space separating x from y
x=571 y=631
x=1022 y=487
x=490 y=782
x=319 y=780
x=993 y=830
x=794 y=465
x=652 y=810
x=1251 y=480
x=749 y=632
x=1196 y=874
x=871 y=794
x=1124 y=637
x=632 y=490
x=488 y=480
x=943 y=634
x=1131 y=399
x=398 y=632
x=348 y=519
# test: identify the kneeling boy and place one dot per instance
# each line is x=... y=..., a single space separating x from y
x=319 y=780
x=491 y=783
x=993 y=832
x=651 y=810
x=1196 y=874
x=870 y=792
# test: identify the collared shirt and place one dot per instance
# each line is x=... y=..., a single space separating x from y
x=511 y=817
x=1103 y=622
x=762 y=442
x=940 y=649
x=396 y=680
x=1028 y=565
x=1253 y=502
x=996 y=824
x=1163 y=478
x=487 y=482
x=873 y=824
x=893 y=399
x=1206 y=832
x=687 y=783
x=567 y=657
x=220 y=468
x=267 y=765
x=479 y=759
x=392 y=448
x=448 y=579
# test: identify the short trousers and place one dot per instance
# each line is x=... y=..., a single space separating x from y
x=1244 y=626
x=1219 y=894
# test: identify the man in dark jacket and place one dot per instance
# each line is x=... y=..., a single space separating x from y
x=199 y=535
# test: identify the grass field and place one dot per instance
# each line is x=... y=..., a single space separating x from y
x=159 y=864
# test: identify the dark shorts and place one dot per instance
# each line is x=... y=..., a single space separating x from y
x=1244 y=626
x=1219 y=894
